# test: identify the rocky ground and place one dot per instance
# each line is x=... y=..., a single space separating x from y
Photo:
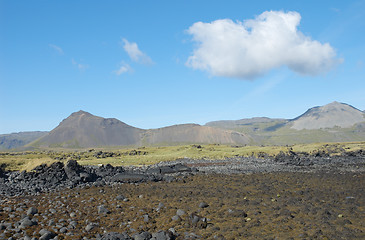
x=290 y=196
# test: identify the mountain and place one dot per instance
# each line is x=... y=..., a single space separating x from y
x=16 y=140
x=248 y=124
x=331 y=115
x=194 y=133
x=334 y=122
x=234 y=123
x=84 y=130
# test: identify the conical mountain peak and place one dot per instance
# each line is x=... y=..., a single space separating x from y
x=331 y=115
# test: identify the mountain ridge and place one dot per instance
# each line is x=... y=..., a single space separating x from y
x=82 y=130
x=328 y=116
x=332 y=122
x=19 y=139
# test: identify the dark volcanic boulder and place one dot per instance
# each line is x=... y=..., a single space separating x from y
x=2 y=173
x=40 y=168
x=73 y=169
x=78 y=173
x=51 y=175
x=177 y=168
x=58 y=175
x=129 y=177
x=161 y=170
x=181 y=168
x=108 y=170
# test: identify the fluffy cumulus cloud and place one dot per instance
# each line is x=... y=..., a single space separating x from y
x=134 y=53
x=251 y=48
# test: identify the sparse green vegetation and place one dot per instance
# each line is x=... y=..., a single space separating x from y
x=150 y=155
x=276 y=132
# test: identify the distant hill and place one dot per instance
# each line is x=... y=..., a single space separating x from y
x=84 y=130
x=194 y=133
x=16 y=140
x=241 y=122
x=334 y=122
x=331 y=115
x=249 y=124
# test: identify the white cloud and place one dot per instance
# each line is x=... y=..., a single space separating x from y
x=124 y=68
x=80 y=66
x=251 y=48
x=57 y=48
x=135 y=54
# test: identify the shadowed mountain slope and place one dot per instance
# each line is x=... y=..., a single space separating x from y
x=331 y=115
x=15 y=140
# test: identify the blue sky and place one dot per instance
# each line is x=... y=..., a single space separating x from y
x=152 y=64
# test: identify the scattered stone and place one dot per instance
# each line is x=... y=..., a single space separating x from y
x=32 y=211
x=48 y=236
x=90 y=227
x=51 y=222
x=162 y=235
x=114 y=236
x=203 y=205
x=160 y=206
x=237 y=213
x=176 y=218
x=26 y=222
x=7 y=209
x=142 y=236
x=146 y=218
x=129 y=178
x=103 y=210
x=120 y=197
x=180 y=212
x=302 y=202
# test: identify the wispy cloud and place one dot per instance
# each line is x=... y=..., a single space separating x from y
x=259 y=93
x=80 y=66
x=249 y=49
x=336 y=10
x=56 y=48
x=264 y=88
x=135 y=53
x=124 y=68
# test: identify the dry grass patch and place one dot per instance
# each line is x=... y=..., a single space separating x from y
x=152 y=155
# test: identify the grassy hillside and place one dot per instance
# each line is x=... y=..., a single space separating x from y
x=151 y=155
x=16 y=140
x=279 y=132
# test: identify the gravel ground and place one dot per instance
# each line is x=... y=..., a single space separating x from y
x=287 y=197
x=261 y=165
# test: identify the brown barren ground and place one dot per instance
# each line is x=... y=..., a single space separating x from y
x=244 y=206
